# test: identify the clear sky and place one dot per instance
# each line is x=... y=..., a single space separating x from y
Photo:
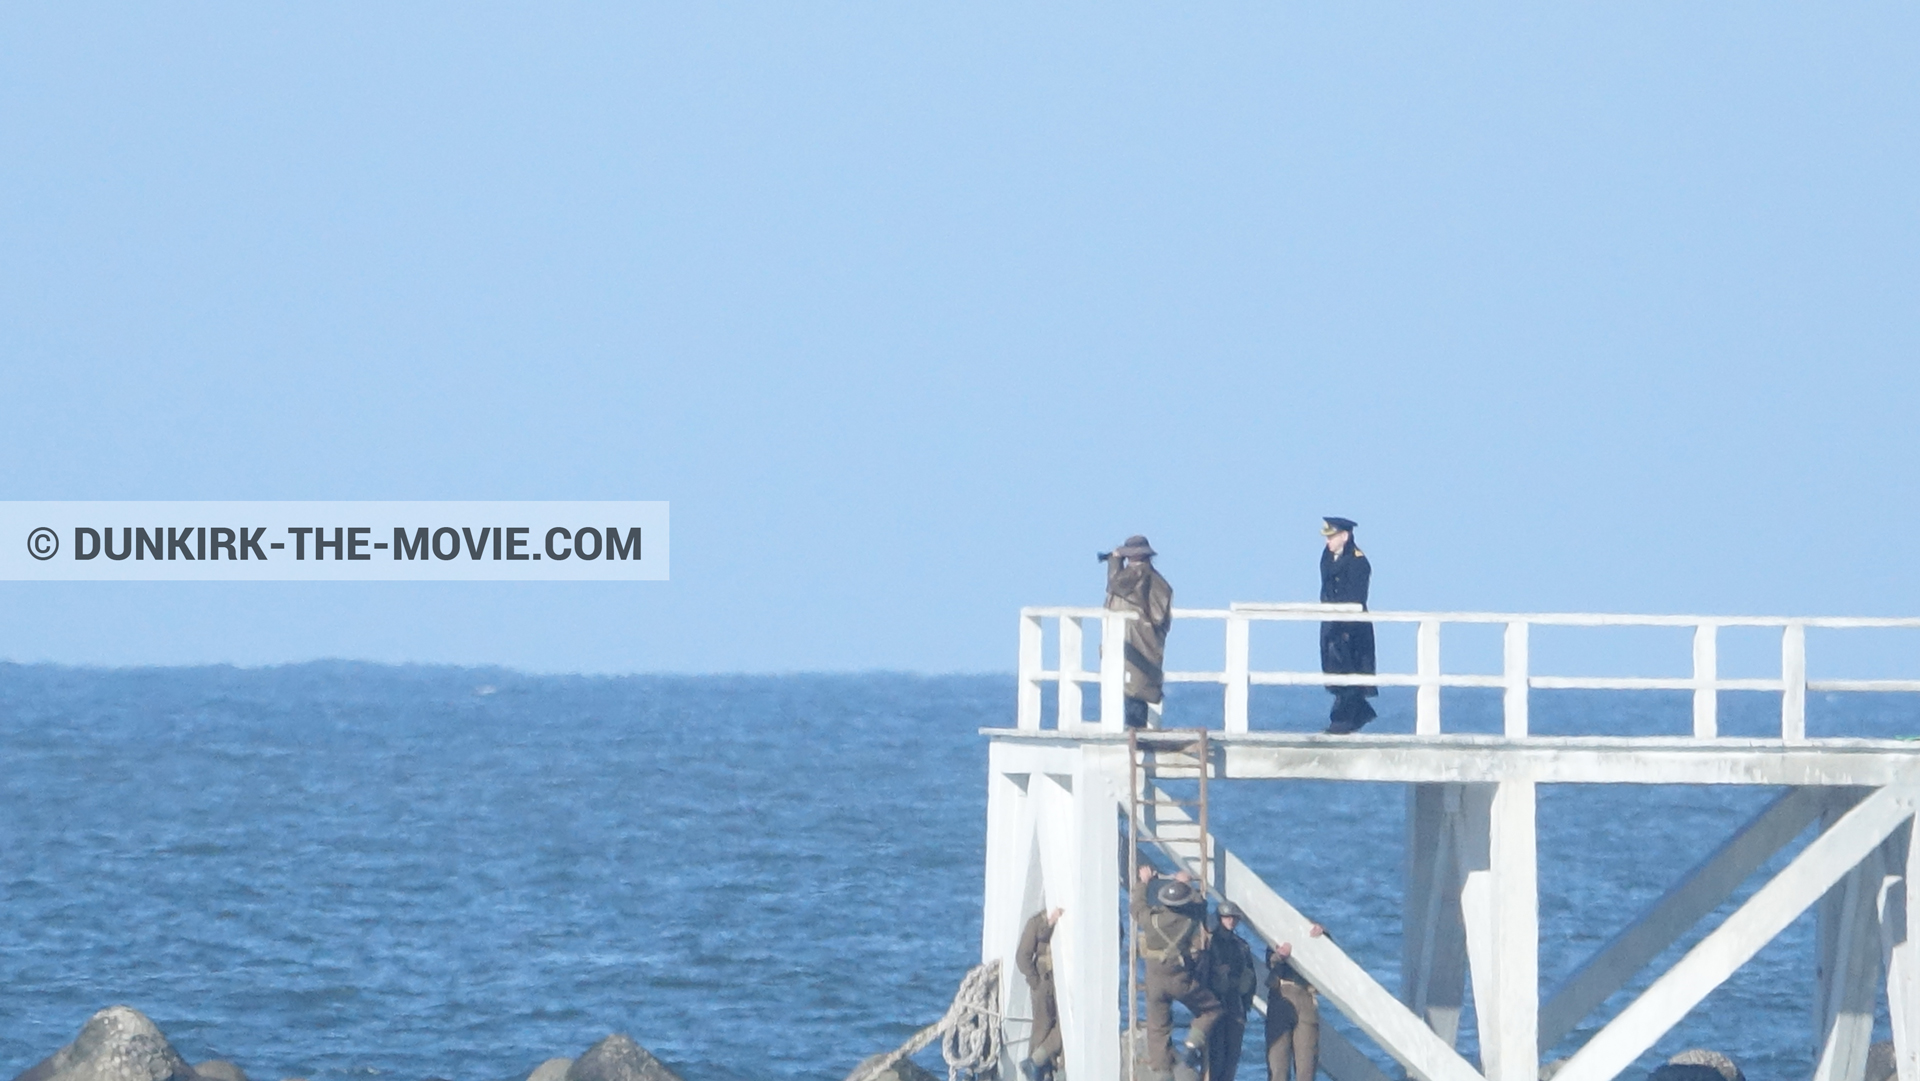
x=908 y=309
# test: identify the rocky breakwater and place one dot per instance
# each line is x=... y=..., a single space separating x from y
x=120 y=1044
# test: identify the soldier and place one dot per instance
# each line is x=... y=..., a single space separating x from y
x=1346 y=648
x=1172 y=917
x=1134 y=586
x=1293 y=1017
x=1035 y=960
x=1230 y=965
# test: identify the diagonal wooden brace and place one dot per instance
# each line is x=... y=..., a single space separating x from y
x=1731 y=945
x=1340 y=980
x=1674 y=914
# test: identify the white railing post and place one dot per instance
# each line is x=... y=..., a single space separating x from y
x=1113 y=670
x=1236 y=697
x=1027 y=714
x=1793 y=678
x=1706 y=672
x=1071 y=713
x=1516 y=678
x=1426 y=713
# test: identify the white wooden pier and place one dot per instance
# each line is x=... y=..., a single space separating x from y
x=1060 y=798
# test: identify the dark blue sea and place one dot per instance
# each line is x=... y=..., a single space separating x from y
x=343 y=871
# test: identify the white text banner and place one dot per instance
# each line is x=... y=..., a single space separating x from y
x=333 y=541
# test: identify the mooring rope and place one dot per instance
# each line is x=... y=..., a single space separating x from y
x=971 y=1031
x=971 y=1045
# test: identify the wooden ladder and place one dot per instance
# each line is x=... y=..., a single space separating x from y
x=1182 y=754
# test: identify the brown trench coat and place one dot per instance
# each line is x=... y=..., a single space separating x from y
x=1139 y=589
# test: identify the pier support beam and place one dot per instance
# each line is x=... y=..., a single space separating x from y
x=1848 y=963
x=1053 y=841
x=1434 y=935
x=1012 y=893
x=1899 y=908
x=1085 y=859
x=1500 y=902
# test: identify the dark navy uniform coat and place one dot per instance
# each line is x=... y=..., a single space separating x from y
x=1346 y=648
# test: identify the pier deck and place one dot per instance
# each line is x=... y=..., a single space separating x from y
x=1414 y=759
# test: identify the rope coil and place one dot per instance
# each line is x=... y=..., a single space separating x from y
x=972 y=1041
x=969 y=1032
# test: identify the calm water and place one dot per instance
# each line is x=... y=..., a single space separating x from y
x=345 y=871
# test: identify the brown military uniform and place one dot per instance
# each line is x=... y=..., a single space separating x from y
x=1174 y=943
x=1139 y=589
x=1230 y=966
x=1035 y=960
x=1293 y=1024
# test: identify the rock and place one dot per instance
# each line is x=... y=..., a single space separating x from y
x=618 y=1058
x=1720 y=1063
x=1880 y=1064
x=116 y=1044
x=904 y=1070
x=1698 y=1064
x=554 y=1069
x=219 y=1070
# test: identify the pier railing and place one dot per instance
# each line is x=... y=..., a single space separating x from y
x=1515 y=680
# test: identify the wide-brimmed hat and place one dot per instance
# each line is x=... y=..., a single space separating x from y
x=1336 y=525
x=1135 y=547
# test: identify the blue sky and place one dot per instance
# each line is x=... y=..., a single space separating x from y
x=909 y=309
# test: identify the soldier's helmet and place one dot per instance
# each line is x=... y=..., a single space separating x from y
x=1228 y=908
x=1173 y=893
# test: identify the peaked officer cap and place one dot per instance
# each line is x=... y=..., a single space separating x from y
x=1335 y=525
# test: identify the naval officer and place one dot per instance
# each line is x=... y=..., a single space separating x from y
x=1346 y=648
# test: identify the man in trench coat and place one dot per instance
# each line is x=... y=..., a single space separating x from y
x=1134 y=586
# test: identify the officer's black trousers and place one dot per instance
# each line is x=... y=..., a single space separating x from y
x=1223 y=1045
x=1350 y=709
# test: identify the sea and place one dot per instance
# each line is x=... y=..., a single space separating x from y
x=348 y=871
